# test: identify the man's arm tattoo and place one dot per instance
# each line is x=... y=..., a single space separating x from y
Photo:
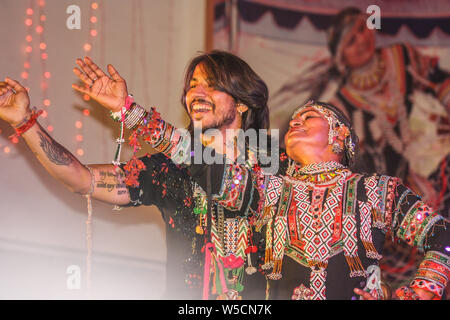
x=54 y=151
x=109 y=185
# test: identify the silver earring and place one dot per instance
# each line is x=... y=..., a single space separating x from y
x=336 y=148
x=291 y=166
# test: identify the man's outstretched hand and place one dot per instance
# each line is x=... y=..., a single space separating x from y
x=110 y=91
x=14 y=102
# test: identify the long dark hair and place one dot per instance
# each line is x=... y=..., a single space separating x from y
x=232 y=75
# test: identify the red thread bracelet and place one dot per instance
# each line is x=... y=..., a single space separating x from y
x=25 y=127
x=129 y=100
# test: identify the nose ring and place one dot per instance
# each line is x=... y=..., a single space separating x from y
x=296 y=123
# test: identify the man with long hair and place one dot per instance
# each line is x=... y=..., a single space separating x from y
x=221 y=92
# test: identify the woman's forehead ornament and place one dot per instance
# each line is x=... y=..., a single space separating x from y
x=333 y=122
x=335 y=125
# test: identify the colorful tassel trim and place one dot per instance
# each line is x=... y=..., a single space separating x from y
x=268 y=259
x=355 y=265
x=316 y=264
x=250 y=269
x=276 y=272
x=377 y=219
x=371 y=251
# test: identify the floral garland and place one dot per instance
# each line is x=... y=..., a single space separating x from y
x=148 y=131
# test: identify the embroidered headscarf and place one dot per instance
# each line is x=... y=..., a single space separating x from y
x=337 y=120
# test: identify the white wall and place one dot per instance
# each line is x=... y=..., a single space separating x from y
x=42 y=225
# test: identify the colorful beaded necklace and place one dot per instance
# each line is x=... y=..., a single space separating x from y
x=315 y=173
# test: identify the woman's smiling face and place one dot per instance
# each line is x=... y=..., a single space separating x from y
x=308 y=131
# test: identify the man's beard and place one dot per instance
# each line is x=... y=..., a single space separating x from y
x=218 y=123
x=224 y=121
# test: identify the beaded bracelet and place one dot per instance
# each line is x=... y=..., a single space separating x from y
x=432 y=274
x=28 y=124
x=134 y=117
x=429 y=286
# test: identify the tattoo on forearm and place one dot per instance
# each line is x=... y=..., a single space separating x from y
x=54 y=151
x=117 y=184
x=110 y=186
x=117 y=176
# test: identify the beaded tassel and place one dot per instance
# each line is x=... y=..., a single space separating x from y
x=377 y=218
x=355 y=265
x=366 y=232
x=250 y=269
x=276 y=272
x=268 y=258
x=317 y=264
x=116 y=161
x=371 y=251
x=128 y=102
x=279 y=243
x=263 y=219
x=119 y=141
x=250 y=248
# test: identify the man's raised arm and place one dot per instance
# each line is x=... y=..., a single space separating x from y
x=104 y=181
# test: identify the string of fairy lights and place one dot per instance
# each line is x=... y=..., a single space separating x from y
x=35 y=28
x=35 y=73
x=36 y=25
x=87 y=48
x=35 y=44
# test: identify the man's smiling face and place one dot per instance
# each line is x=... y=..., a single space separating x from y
x=208 y=106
